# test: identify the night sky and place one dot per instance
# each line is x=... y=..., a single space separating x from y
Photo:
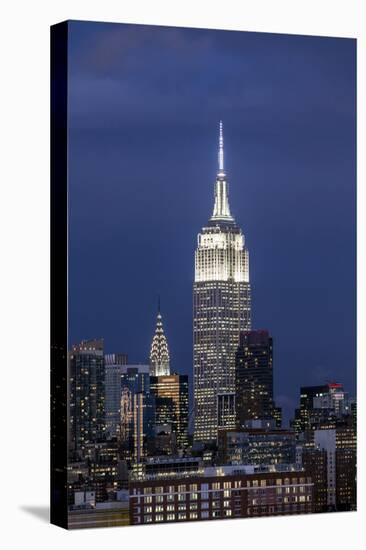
x=144 y=108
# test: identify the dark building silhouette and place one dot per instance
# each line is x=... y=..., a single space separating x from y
x=346 y=465
x=86 y=396
x=320 y=405
x=254 y=378
x=315 y=464
x=171 y=405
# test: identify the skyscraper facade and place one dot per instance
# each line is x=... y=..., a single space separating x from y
x=221 y=310
x=171 y=404
x=113 y=373
x=86 y=396
x=254 y=377
x=137 y=411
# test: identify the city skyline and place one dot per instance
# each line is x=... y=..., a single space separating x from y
x=236 y=398
x=290 y=252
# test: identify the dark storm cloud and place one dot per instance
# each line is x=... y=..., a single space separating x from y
x=144 y=109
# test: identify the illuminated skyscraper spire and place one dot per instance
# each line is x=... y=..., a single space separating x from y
x=221 y=311
x=221 y=208
x=221 y=149
x=159 y=353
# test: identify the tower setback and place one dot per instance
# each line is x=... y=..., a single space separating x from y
x=221 y=310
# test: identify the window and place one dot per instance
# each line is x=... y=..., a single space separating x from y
x=216 y=486
x=158 y=489
x=204 y=505
x=171 y=517
x=182 y=515
x=148 y=509
x=193 y=487
x=193 y=515
x=181 y=497
x=147 y=519
x=226 y=503
x=227 y=494
x=147 y=500
x=204 y=496
x=159 y=508
x=170 y=508
x=181 y=488
x=227 y=513
x=159 y=517
x=159 y=498
x=227 y=484
x=263 y=483
x=204 y=515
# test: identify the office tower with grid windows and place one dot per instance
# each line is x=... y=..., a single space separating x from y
x=254 y=378
x=86 y=397
x=171 y=405
x=221 y=310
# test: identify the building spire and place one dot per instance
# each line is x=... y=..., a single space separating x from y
x=221 y=208
x=159 y=352
x=221 y=150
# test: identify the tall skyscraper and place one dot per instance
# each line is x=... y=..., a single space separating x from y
x=86 y=396
x=171 y=404
x=221 y=310
x=113 y=372
x=254 y=377
x=159 y=353
x=137 y=411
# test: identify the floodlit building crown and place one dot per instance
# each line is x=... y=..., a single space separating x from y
x=159 y=353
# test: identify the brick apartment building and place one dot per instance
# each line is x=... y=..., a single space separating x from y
x=221 y=493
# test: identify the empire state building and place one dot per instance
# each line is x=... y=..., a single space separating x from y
x=221 y=310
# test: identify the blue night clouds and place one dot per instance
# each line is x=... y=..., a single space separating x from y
x=144 y=107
